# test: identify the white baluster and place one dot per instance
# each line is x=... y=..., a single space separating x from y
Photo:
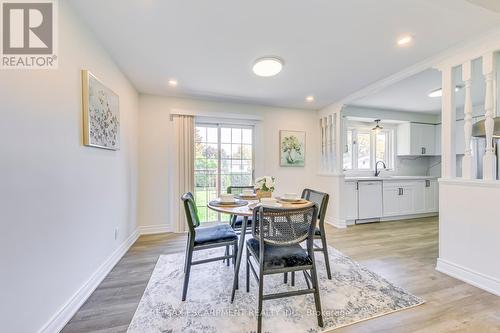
x=332 y=142
x=322 y=123
x=328 y=142
x=489 y=160
x=467 y=165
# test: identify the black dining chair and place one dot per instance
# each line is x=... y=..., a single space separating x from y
x=237 y=221
x=203 y=238
x=275 y=247
x=321 y=201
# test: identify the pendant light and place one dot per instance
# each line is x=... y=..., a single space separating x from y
x=377 y=127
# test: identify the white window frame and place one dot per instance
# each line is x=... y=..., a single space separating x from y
x=389 y=147
x=219 y=125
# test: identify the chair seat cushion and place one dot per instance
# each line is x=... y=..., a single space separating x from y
x=276 y=257
x=238 y=221
x=214 y=234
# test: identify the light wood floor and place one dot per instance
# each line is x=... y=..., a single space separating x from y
x=404 y=252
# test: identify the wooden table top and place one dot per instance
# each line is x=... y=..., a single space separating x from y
x=245 y=211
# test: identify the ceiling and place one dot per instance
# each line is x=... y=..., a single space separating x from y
x=411 y=94
x=330 y=48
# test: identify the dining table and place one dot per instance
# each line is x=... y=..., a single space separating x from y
x=246 y=211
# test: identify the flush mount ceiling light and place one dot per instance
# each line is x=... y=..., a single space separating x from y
x=310 y=98
x=439 y=92
x=172 y=83
x=267 y=66
x=377 y=127
x=405 y=40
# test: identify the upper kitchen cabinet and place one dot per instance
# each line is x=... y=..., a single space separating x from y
x=459 y=138
x=416 y=139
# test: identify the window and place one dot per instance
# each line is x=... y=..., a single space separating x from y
x=364 y=147
x=224 y=157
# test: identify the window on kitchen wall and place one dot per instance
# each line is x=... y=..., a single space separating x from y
x=365 y=146
x=224 y=157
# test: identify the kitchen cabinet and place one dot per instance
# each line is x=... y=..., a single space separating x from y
x=401 y=199
x=416 y=139
x=459 y=138
x=431 y=196
x=350 y=200
x=369 y=199
x=389 y=198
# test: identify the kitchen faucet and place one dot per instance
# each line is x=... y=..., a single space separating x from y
x=377 y=172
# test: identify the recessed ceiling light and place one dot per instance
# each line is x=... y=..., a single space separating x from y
x=172 y=83
x=310 y=98
x=405 y=40
x=439 y=92
x=268 y=66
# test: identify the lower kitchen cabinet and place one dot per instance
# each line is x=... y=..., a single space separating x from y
x=410 y=198
x=400 y=199
x=389 y=198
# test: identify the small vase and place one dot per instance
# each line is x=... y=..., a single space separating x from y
x=263 y=194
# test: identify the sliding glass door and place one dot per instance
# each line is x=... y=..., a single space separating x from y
x=224 y=157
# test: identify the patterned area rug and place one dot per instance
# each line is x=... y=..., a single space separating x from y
x=354 y=294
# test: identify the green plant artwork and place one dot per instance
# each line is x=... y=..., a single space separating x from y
x=292 y=148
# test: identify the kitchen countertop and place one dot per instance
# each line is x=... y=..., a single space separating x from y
x=386 y=178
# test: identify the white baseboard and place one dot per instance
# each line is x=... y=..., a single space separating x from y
x=337 y=223
x=485 y=282
x=68 y=310
x=154 y=229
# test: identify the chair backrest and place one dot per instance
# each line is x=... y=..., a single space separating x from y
x=191 y=211
x=284 y=226
x=320 y=199
x=238 y=189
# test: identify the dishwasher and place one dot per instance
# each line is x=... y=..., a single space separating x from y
x=369 y=201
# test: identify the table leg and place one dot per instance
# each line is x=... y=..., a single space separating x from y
x=238 y=257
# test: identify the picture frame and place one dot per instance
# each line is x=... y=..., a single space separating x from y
x=292 y=148
x=101 y=114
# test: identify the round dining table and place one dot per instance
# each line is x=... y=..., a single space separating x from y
x=246 y=211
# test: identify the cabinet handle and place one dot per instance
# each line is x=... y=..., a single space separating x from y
x=427 y=183
x=423 y=150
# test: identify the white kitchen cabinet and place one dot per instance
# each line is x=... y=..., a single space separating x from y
x=401 y=198
x=369 y=199
x=416 y=139
x=459 y=138
x=350 y=198
x=391 y=194
x=438 y=139
x=431 y=196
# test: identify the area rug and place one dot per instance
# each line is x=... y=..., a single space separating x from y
x=354 y=294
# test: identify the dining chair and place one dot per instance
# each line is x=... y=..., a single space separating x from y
x=204 y=238
x=275 y=247
x=321 y=201
x=236 y=221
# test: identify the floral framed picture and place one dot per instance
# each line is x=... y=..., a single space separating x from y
x=292 y=148
x=101 y=114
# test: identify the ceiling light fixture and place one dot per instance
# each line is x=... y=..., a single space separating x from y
x=267 y=66
x=377 y=127
x=439 y=92
x=310 y=98
x=405 y=40
x=172 y=83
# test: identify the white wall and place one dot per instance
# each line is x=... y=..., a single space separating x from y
x=59 y=201
x=469 y=231
x=156 y=139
